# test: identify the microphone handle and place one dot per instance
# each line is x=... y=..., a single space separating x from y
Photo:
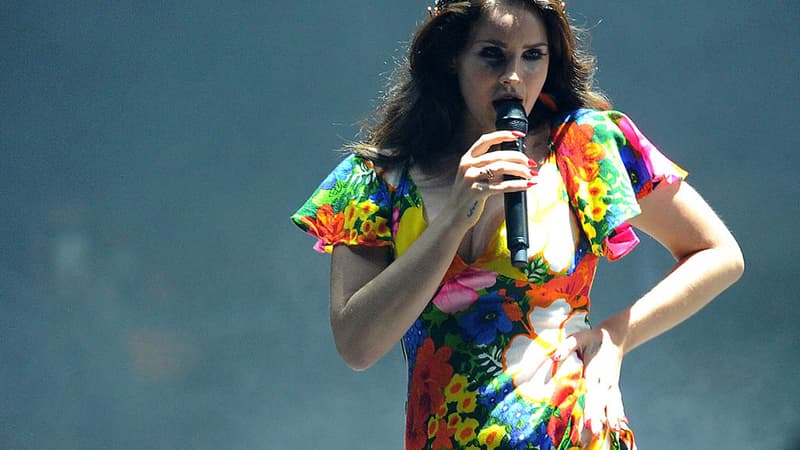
x=516 y=206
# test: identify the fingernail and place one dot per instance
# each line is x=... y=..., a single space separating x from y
x=518 y=133
x=531 y=183
x=532 y=163
x=534 y=173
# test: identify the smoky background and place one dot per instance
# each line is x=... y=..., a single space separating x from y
x=153 y=293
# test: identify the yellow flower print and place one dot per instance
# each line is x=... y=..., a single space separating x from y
x=492 y=436
x=597 y=188
x=366 y=209
x=411 y=225
x=591 y=232
x=596 y=211
x=465 y=430
x=456 y=392
x=350 y=215
x=595 y=191
x=433 y=427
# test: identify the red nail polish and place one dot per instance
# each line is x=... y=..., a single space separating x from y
x=534 y=173
x=531 y=183
x=518 y=133
x=532 y=163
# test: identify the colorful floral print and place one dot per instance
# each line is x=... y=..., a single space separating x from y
x=350 y=207
x=479 y=368
x=458 y=293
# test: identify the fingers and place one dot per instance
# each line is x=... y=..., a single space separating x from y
x=501 y=176
x=603 y=401
x=603 y=407
x=615 y=412
x=567 y=346
x=497 y=171
x=502 y=163
x=486 y=141
x=594 y=406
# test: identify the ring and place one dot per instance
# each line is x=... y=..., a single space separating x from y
x=489 y=174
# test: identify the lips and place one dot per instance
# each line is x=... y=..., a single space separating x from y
x=508 y=96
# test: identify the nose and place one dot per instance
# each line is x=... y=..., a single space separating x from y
x=511 y=72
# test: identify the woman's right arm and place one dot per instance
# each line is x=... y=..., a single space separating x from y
x=373 y=302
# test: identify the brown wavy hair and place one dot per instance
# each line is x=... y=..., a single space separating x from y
x=423 y=106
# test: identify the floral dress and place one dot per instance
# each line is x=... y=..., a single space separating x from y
x=480 y=374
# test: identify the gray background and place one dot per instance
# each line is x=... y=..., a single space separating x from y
x=153 y=293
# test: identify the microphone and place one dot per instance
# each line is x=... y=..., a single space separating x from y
x=511 y=116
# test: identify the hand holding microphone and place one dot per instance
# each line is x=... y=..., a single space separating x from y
x=511 y=116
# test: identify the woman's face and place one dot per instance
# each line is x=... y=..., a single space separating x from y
x=506 y=56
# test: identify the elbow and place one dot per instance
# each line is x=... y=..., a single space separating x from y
x=355 y=358
x=737 y=263
x=733 y=260
x=354 y=348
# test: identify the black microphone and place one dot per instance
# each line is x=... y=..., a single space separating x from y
x=511 y=116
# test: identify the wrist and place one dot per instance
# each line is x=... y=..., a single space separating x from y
x=460 y=219
x=617 y=327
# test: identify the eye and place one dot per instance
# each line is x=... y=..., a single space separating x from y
x=493 y=54
x=534 y=54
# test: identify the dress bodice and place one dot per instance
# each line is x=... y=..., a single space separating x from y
x=479 y=368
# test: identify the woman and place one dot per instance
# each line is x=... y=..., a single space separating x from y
x=501 y=357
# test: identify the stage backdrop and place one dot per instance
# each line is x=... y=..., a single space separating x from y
x=153 y=293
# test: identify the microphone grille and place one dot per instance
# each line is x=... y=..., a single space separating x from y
x=516 y=124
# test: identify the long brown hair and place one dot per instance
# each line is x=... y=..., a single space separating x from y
x=423 y=107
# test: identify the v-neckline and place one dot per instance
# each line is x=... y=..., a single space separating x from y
x=492 y=243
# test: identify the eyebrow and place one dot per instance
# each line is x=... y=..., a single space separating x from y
x=503 y=44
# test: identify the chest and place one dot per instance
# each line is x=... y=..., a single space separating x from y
x=552 y=226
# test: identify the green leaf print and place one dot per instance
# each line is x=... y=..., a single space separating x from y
x=337 y=199
x=491 y=362
x=537 y=271
x=434 y=315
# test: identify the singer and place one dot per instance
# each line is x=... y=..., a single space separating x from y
x=500 y=356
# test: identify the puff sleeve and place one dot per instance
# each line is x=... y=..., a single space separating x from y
x=352 y=206
x=608 y=165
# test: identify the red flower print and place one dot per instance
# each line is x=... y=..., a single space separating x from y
x=512 y=309
x=563 y=399
x=578 y=283
x=416 y=433
x=432 y=373
x=327 y=226
x=580 y=152
x=443 y=434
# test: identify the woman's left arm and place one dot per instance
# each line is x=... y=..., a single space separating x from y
x=708 y=261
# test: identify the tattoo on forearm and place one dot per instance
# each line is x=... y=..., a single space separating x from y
x=472 y=209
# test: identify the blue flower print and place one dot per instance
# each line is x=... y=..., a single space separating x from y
x=496 y=391
x=382 y=196
x=412 y=341
x=341 y=172
x=542 y=439
x=481 y=326
x=637 y=168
